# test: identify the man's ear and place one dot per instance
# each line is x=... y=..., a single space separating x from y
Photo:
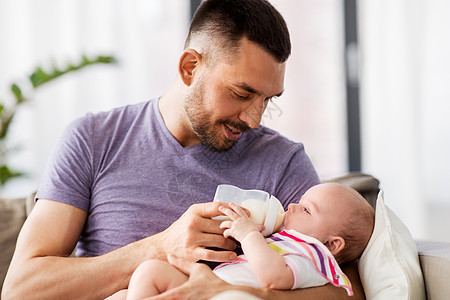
x=189 y=61
x=335 y=244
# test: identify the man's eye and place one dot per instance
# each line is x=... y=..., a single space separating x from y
x=240 y=97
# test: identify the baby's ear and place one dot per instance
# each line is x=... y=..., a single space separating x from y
x=335 y=244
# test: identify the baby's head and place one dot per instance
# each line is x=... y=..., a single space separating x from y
x=336 y=215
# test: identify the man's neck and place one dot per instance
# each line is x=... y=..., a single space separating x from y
x=171 y=107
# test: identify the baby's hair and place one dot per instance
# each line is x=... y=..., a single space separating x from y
x=357 y=228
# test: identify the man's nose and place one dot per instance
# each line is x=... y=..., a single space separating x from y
x=252 y=112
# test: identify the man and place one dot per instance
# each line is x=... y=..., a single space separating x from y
x=124 y=186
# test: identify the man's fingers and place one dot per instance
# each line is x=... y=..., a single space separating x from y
x=194 y=231
x=207 y=210
x=208 y=242
x=208 y=225
x=200 y=277
x=181 y=264
x=219 y=241
x=184 y=265
x=216 y=256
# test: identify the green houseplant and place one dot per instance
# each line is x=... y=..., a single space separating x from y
x=37 y=78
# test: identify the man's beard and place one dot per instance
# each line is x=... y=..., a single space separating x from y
x=204 y=128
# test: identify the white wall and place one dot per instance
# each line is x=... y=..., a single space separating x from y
x=313 y=106
x=147 y=38
x=405 y=106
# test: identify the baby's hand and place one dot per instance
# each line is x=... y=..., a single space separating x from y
x=239 y=225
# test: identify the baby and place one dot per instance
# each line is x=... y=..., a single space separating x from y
x=331 y=225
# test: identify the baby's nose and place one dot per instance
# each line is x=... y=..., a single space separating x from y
x=291 y=206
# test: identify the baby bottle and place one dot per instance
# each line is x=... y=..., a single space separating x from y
x=264 y=209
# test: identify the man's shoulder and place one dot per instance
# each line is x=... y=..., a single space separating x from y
x=111 y=124
x=122 y=115
x=126 y=111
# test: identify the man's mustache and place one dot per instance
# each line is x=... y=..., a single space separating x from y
x=241 y=126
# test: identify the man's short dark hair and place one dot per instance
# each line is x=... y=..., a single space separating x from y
x=226 y=22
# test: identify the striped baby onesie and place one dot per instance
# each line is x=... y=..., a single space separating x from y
x=312 y=257
x=294 y=242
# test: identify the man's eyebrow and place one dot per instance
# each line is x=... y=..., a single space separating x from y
x=247 y=88
x=251 y=90
x=279 y=94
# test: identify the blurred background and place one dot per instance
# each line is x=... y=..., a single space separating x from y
x=367 y=86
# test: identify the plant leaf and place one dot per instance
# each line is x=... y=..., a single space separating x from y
x=39 y=76
x=15 y=89
x=6 y=174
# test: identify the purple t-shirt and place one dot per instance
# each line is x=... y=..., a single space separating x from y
x=134 y=179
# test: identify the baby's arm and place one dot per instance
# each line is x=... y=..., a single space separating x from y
x=269 y=267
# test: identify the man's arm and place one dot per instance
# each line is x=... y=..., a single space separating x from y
x=41 y=267
x=196 y=287
x=327 y=291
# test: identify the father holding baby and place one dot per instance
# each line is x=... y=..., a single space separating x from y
x=125 y=186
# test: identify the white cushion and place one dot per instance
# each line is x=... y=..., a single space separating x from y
x=389 y=266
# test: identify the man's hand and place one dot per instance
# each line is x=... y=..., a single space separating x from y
x=202 y=283
x=194 y=231
x=240 y=225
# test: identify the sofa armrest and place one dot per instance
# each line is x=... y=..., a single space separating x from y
x=435 y=262
x=12 y=216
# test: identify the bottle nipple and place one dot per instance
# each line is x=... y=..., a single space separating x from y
x=279 y=221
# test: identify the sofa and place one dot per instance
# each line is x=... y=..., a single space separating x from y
x=434 y=257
